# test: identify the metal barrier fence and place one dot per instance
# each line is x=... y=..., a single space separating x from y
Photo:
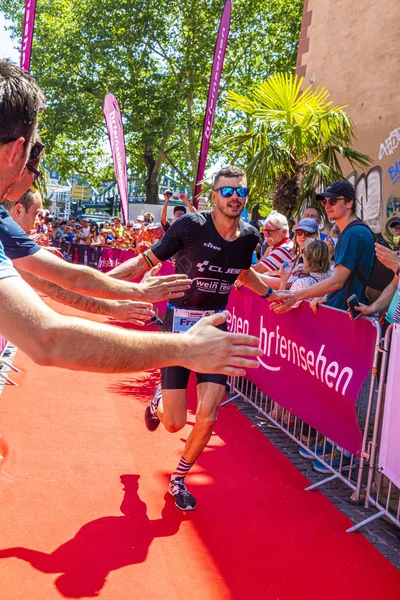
x=380 y=491
x=335 y=461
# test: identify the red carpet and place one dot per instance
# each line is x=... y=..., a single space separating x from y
x=84 y=509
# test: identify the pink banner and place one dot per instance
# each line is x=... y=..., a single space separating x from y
x=112 y=257
x=313 y=365
x=27 y=34
x=115 y=128
x=219 y=56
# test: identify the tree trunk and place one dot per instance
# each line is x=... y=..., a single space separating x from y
x=151 y=181
x=286 y=194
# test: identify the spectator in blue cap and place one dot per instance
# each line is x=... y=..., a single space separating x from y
x=305 y=229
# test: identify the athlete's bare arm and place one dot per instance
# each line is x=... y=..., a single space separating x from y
x=253 y=281
x=134 y=267
x=130 y=311
x=51 y=339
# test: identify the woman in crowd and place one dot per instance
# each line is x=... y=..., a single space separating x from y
x=94 y=238
x=276 y=234
x=306 y=229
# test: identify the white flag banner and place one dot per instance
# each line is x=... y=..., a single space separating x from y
x=389 y=458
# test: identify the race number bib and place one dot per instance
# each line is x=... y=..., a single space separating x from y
x=185 y=319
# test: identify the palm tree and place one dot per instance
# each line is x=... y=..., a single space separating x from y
x=291 y=141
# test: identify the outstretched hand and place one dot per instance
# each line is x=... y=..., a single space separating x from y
x=211 y=350
x=156 y=288
x=132 y=311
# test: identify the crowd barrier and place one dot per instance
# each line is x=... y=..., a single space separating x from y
x=383 y=453
x=103 y=259
x=316 y=381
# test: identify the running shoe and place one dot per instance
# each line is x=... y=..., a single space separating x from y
x=318 y=449
x=183 y=498
x=150 y=414
x=347 y=464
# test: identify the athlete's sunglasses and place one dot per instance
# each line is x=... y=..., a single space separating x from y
x=227 y=191
x=330 y=201
x=306 y=234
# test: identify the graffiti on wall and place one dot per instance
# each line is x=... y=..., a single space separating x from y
x=369 y=193
x=390 y=144
x=392 y=206
x=394 y=172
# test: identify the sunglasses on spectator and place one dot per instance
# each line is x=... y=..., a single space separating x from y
x=227 y=191
x=128 y=226
x=36 y=173
x=270 y=231
x=36 y=150
x=331 y=201
x=306 y=234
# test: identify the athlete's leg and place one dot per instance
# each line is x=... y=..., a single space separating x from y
x=168 y=404
x=172 y=409
x=210 y=396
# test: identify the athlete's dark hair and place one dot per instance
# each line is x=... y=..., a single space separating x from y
x=26 y=201
x=229 y=172
x=21 y=100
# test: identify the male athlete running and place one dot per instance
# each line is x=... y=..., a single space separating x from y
x=213 y=249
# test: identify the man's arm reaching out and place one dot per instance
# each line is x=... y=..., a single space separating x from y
x=87 y=281
x=130 y=311
x=51 y=339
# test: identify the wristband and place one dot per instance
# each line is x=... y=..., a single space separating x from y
x=268 y=294
x=148 y=260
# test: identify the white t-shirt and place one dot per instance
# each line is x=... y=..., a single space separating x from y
x=303 y=283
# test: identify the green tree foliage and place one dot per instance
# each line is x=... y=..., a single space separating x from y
x=155 y=56
x=291 y=140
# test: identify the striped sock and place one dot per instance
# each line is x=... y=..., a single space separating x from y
x=182 y=469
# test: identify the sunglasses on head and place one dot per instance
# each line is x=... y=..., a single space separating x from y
x=331 y=201
x=306 y=234
x=35 y=172
x=227 y=191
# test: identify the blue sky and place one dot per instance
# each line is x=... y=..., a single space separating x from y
x=6 y=46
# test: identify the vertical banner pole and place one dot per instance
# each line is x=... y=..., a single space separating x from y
x=115 y=128
x=27 y=34
x=219 y=57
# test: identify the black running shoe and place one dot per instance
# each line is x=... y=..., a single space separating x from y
x=183 y=499
x=150 y=415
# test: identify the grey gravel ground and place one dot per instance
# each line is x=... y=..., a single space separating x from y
x=381 y=533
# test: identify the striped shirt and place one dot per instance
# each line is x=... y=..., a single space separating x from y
x=278 y=255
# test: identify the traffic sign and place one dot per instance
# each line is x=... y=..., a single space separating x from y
x=80 y=192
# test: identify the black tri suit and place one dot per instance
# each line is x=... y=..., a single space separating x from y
x=213 y=265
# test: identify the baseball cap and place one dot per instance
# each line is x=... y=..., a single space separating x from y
x=395 y=221
x=338 y=189
x=309 y=225
x=140 y=218
x=180 y=207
